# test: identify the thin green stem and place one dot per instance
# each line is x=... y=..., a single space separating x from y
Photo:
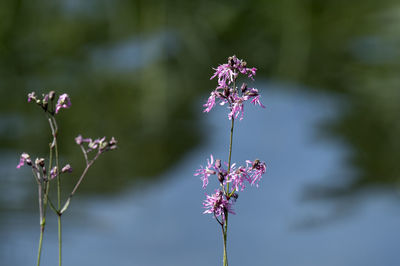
x=40 y=244
x=54 y=129
x=40 y=195
x=225 y=233
x=225 y=224
x=59 y=239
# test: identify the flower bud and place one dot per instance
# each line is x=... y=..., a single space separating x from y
x=39 y=162
x=226 y=92
x=244 y=87
x=54 y=172
x=231 y=61
x=221 y=177
x=218 y=163
x=31 y=96
x=235 y=196
x=66 y=169
x=256 y=163
x=52 y=94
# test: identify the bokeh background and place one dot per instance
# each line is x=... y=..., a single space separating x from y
x=328 y=72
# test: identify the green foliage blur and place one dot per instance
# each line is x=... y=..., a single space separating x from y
x=137 y=69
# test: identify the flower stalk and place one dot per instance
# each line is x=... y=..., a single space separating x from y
x=44 y=176
x=232 y=179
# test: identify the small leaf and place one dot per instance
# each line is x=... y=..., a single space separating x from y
x=65 y=206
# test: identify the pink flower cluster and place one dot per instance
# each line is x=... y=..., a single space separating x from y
x=237 y=177
x=218 y=205
x=39 y=167
x=63 y=101
x=227 y=92
x=100 y=144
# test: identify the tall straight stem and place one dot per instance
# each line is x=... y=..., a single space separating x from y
x=40 y=190
x=225 y=225
x=40 y=244
x=59 y=240
x=54 y=129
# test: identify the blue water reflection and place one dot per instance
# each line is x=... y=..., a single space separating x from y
x=162 y=223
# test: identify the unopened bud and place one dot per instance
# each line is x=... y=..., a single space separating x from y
x=54 y=172
x=256 y=163
x=231 y=61
x=244 y=87
x=52 y=94
x=226 y=92
x=39 y=162
x=235 y=196
x=218 y=163
x=221 y=177
x=66 y=169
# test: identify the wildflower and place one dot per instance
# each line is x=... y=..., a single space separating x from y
x=66 y=169
x=226 y=93
x=31 y=96
x=25 y=158
x=53 y=172
x=226 y=75
x=236 y=107
x=206 y=172
x=79 y=140
x=218 y=205
x=256 y=170
x=63 y=102
x=39 y=162
x=210 y=102
x=238 y=177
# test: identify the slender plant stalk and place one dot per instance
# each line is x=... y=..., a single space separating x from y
x=225 y=225
x=40 y=191
x=54 y=130
x=59 y=239
x=40 y=244
x=58 y=198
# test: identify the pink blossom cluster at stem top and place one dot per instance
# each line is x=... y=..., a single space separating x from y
x=228 y=93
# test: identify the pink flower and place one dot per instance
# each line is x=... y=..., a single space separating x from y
x=218 y=205
x=236 y=107
x=66 y=169
x=225 y=74
x=256 y=170
x=210 y=102
x=227 y=93
x=53 y=172
x=204 y=173
x=63 y=102
x=256 y=100
x=31 y=96
x=24 y=159
x=238 y=177
x=79 y=140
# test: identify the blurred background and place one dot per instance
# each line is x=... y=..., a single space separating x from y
x=328 y=72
